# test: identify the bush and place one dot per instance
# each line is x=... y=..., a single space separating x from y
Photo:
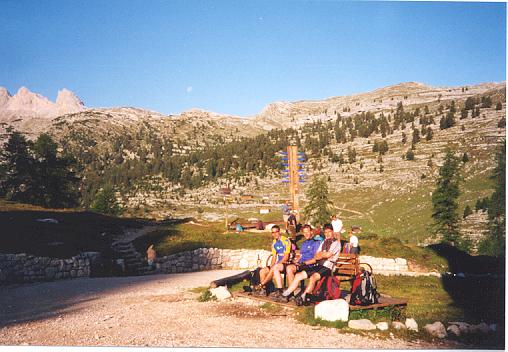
x=105 y=202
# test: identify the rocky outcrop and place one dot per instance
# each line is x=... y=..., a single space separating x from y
x=29 y=104
x=68 y=102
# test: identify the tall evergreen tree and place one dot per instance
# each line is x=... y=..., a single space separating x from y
x=105 y=202
x=495 y=243
x=444 y=200
x=318 y=209
x=18 y=182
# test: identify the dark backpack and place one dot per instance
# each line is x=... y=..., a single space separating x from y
x=364 y=290
x=327 y=288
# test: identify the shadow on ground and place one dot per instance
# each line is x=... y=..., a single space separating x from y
x=39 y=301
x=478 y=286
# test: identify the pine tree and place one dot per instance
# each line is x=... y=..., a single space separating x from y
x=18 y=183
x=105 y=202
x=429 y=135
x=318 y=209
x=495 y=243
x=444 y=200
x=467 y=211
x=410 y=155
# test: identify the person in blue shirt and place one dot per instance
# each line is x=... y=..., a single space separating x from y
x=281 y=248
x=307 y=251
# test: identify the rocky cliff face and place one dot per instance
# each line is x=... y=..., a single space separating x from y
x=29 y=104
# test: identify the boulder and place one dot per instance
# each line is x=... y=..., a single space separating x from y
x=453 y=330
x=221 y=293
x=436 y=329
x=332 y=310
x=361 y=324
x=397 y=325
x=411 y=324
x=464 y=328
x=383 y=326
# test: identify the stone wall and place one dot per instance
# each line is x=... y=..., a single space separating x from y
x=20 y=268
x=214 y=258
x=211 y=258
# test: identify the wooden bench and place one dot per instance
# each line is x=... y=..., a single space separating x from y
x=347 y=265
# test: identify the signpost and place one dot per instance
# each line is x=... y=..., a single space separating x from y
x=293 y=174
x=226 y=192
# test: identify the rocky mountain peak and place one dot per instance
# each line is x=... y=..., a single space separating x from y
x=68 y=102
x=29 y=104
x=25 y=100
x=4 y=96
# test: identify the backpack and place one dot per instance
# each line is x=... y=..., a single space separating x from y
x=364 y=290
x=327 y=288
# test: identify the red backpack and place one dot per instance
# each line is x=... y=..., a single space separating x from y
x=327 y=288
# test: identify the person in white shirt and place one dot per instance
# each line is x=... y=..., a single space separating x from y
x=353 y=243
x=337 y=226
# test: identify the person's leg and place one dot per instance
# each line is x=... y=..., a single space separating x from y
x=290 y=273
x=302 y=275
x=277 y=270
x=315 y=277
x=263 y=273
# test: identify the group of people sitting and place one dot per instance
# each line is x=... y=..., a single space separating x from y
x=317 y=259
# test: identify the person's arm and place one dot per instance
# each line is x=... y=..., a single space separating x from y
x=287 y=250
x=274 y=257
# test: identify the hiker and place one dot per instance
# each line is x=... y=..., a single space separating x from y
x=318 y=234
x=326 y=255
x=286 y=211
x=337 y=226
x=151 y=254
x=292 y=223
x=307 y=251
x=353 y=241
x=281 y=247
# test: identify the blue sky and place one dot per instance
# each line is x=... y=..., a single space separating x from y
x=237 y=56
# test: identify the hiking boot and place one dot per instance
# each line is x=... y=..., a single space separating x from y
x=276 y=294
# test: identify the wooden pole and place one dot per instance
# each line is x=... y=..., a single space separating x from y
x=294 y=180
x=226 y=203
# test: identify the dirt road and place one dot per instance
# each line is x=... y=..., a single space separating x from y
x=158 y=310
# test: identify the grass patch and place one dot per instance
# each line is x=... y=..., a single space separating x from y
x=430 y=299
x=187 y=237
x=271 y=308
x=206 y=296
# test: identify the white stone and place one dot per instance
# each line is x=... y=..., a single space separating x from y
x=383 y=326
x=453 y=330
x=221 y=293
x=361 y=324
x=397 y=325
x=436 y=329
x=332 y=310
x=411 y=324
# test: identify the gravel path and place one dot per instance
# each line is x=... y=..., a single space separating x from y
x=159 y=310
